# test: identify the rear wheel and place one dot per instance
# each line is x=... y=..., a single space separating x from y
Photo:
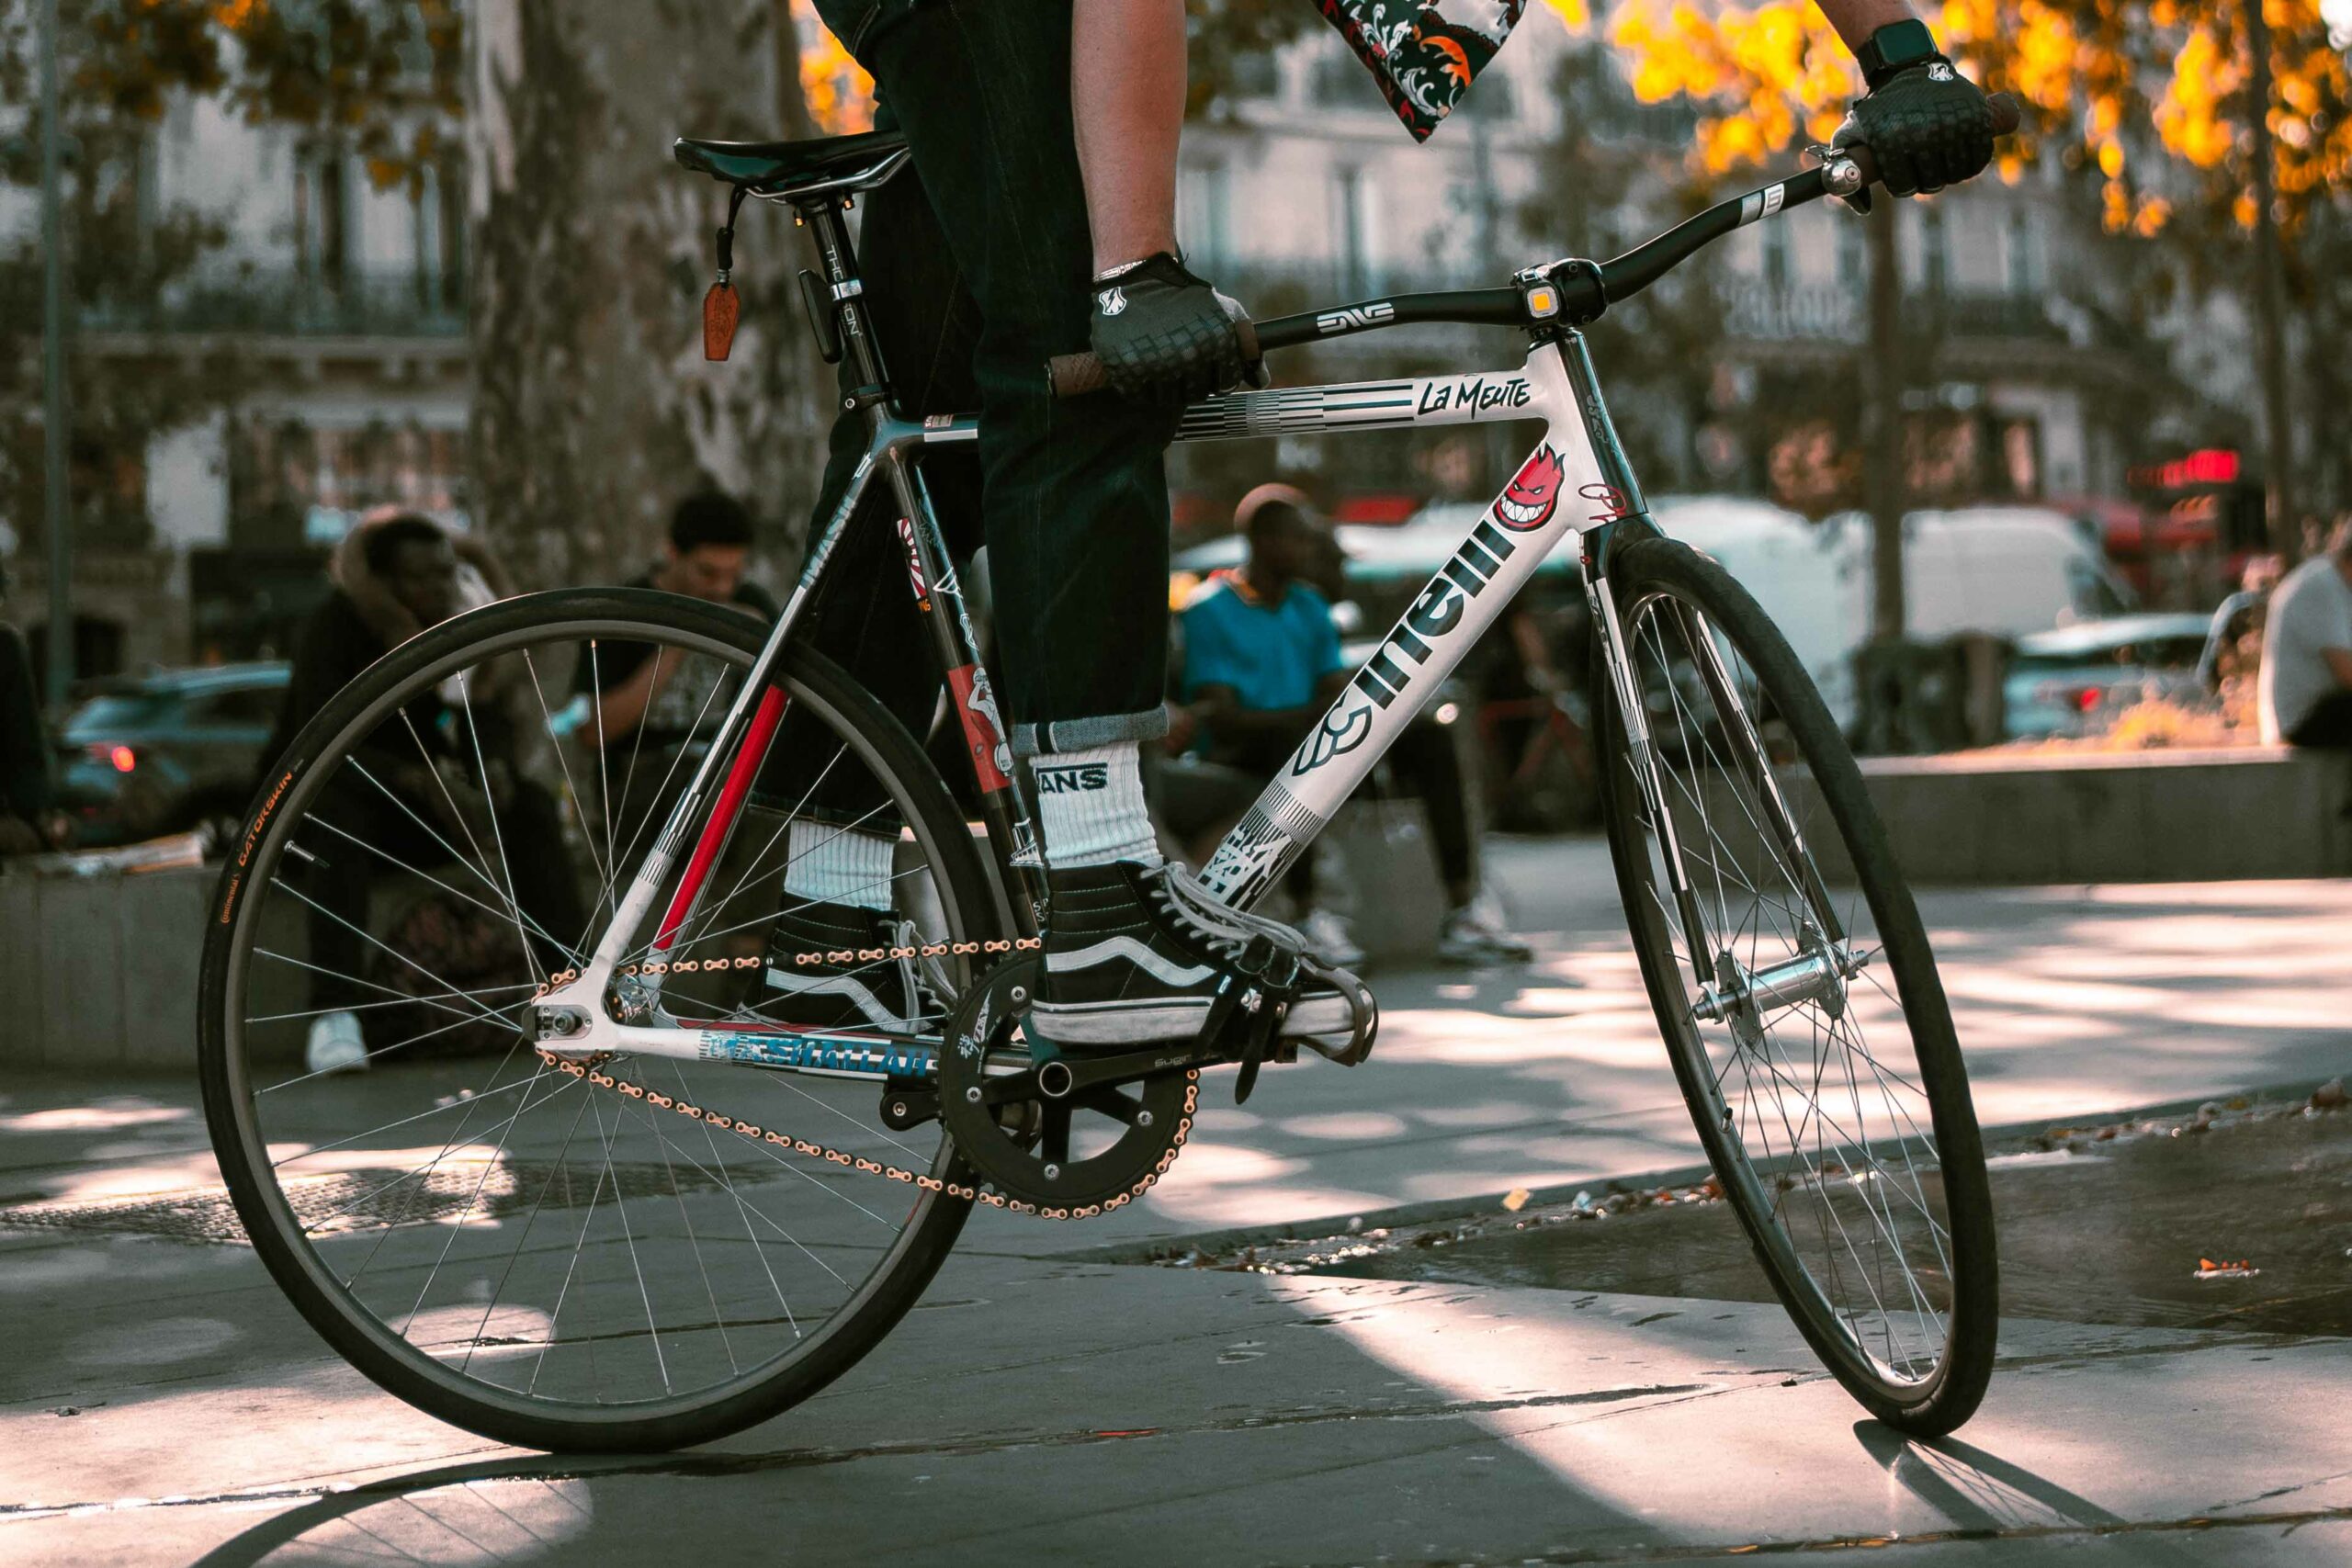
x=1793 y=983
x=516 y=1249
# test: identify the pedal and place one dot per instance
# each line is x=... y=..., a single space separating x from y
x=1256 y=951
x=1246 y=1022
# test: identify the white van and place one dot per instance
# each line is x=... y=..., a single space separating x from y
x=2007 y=570
x=1799 y=573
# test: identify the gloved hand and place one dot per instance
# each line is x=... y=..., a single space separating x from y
x=1165 y=337
x=1929 y=126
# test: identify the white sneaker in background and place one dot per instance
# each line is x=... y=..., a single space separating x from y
x=336 y=1044
x=1328 y=935
x=1473 y=935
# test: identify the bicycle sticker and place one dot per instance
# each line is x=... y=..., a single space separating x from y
x=1339 y=734
x=983 y=727
x=1533 y=495
x=914 y=563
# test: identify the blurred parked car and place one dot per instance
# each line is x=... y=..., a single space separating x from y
x=168 y=752
x=2072 y=681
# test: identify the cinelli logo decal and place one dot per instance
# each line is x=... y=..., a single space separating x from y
x=1348 y=318
x=1436 y=612
x=1081 y=776
x=1476 y=393
x=1339 y=734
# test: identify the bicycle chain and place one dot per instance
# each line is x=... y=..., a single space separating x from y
x=590 y=1071
x=838 y=956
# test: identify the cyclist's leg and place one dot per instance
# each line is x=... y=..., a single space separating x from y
x=838 y=883
x=1076 y=496
x=1075 y=504
x=1423 y=759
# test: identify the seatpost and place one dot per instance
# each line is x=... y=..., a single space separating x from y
x=838 y=257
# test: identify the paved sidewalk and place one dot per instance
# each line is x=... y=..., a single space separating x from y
x=159 y=1402
x=1069 y=1414
x=2070 y=1001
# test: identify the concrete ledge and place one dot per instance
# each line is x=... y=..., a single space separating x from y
x=1994 y=818
x=106 y=967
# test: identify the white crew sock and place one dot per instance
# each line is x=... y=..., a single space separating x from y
x=832 y=865
x=1090 y=807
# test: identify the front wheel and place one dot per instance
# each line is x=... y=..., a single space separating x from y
x=525 y=1252
x=1798 y=996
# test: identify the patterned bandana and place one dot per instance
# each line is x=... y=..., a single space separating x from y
x=1423 y=61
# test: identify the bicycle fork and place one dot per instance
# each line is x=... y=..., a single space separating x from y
x=1728 y=992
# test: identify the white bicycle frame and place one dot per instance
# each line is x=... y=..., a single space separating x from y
x=1574 y=479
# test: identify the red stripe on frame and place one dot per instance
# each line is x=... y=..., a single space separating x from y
x=731 y=797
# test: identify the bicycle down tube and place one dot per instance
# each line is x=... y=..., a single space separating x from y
x=1565 y=486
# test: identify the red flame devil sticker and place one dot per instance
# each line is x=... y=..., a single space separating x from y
x=1533 y=495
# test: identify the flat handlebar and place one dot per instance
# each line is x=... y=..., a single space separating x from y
x=1585 y=289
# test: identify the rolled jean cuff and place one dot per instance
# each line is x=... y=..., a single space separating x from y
x=1077 y=734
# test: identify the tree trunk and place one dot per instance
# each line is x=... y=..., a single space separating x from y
x=1882 y=383
x=594 y=408
x=2270 y=290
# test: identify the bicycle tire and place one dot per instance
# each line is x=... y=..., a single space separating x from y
x=1648 y=573
x=812 y=683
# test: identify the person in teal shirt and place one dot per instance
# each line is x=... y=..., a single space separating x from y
x=1261 y=657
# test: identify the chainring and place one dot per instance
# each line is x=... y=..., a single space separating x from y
x=1072 y=1156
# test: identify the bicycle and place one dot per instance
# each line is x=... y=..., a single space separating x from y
x=589 y=1245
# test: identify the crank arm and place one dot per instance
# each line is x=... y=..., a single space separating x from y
x=1068 y=1077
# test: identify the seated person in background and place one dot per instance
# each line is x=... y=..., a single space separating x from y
x=1262 y=660
x=2306 y=684
x=416 y=797
x=2233 y=642
x=642 y=702
x=651 y=705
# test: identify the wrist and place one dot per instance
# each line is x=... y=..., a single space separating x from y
x=1167 y=252
x=1122 y=253
x=1894 y=49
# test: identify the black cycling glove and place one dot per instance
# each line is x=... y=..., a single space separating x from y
x=1929 y=126
x=1163 y=335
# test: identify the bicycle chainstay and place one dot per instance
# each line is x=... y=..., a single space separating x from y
x=590 y=1070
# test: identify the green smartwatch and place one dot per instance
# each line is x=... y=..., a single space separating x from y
x=1894 y=48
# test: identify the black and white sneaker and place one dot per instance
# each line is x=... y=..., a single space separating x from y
x=867 y=978
x=1138 y=954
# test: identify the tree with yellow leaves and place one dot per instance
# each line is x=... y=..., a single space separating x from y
x=380 y=80
x=2211 y=115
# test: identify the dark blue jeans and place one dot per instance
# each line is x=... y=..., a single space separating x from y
x=978 y=269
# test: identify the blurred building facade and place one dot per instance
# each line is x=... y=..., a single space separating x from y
x=2026 y=382
x=314 y=342
x=322 y=330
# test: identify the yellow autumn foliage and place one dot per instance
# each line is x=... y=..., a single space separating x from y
x=839 y=92
x=2117 y=78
